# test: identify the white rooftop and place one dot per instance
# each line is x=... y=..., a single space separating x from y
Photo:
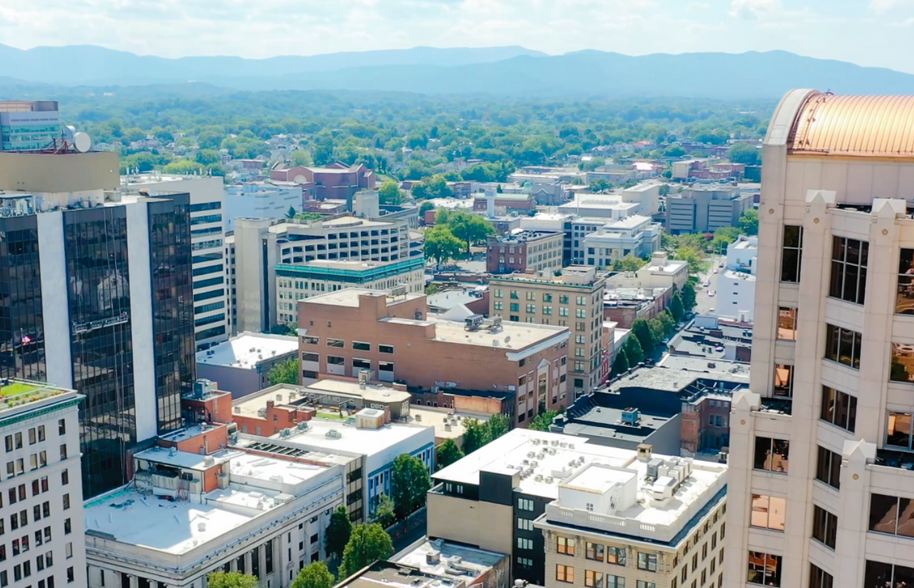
x=454 y=560
x=511 y=336
x=350 y=439
x=265 y=469
x=247 y=350
x=349 y=297
x=185 y=459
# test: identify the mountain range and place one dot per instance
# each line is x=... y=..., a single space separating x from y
x=512 y=71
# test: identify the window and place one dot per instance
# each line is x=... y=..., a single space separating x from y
x=791 y=253
x=581 y=300
x=525 y=524
x=308 y=340
x=898 y=429
x=385 y=349
x=771 y=454
x=824 y=526
x=358 y=345
x=783 y=381
x=336 y=343
x=63 y=451
x=843 y=346
x=879 y=575
x=564 y=574
x=67 y=527
x=839 y=409
x=615 y=582
x=66 y=501
x=564 y=545
x=819 y=578
x=891 y=515
x=828 y=468
x=525 y=562
x=531 y=309
x=514 y=295
x=764 y=569
x=787 y=324
x=593 y=579
x=902 y=368
x=499 y=306
x=848 y=269
x=524 y=504
x=615 y=555
x=768 y=512
x=904 y=298
x=547 y=297
x=647 y=561
x=594 y=551
x=498 y=293
x=563 y=299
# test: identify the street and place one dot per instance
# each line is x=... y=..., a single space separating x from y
x=705 y=304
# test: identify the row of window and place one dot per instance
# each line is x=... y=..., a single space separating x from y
x=547 y=298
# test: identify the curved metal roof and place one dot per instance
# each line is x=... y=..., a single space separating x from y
x=856 y=126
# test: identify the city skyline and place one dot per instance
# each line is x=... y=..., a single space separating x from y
x=813 y=28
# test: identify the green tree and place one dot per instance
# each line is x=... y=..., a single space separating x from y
x=599 y=186
x=182 y=166
x=470 y=228
x=441 y=244
x=633 y=350
x=338 y=532
x=676 y=309
x=425 y=207
x=410 y=483
x=498 y=425
x=642 y=331
x=232 y=580
x=448 y=453
x=300 y=157
x=744 y=153
x=291 y=212
x=620 y=364
x=542 y=421
x=688 y=296
x=694 y=256
x=368 y=544
x=748 y=222
x=657 y=328
x=286 y=372
x=314 y=575
x=669 y=323
x=385 y=513
x=629 y=263
x=207 y=157
x=475 y=435
x=664 y=190
x=432 y=187
x=390 y=193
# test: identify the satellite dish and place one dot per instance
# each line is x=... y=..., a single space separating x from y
x=82 y=142
x=68 y=133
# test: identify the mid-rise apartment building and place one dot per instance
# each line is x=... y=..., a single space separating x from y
x=736 y=283
x=704 y=208
x=634 y=235
x=28 y=125
x=297 y=281
x=832 y=340
x=598 y=513
x=259 y=247
x=521 y=251
x=42 y=502
x=103 y=302
x=392 y=336
x=573 y=300
x=206 y=244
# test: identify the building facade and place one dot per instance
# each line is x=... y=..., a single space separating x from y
x=207 y=248
x=270 y=200
x=299 y=281
x=350 y=331
x=634 y=235
x=573 y=300
x=704 y=208
x=28 y=125
x=522 y=251
x=42 y=498
x=832 y=341
x=259 y=246
x=242 y=364
x=124 y=264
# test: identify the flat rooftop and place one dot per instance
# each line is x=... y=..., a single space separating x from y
x=175 y=527
x=349 y=297
x=266 y=469
x=509 y=453
x=383 y=574
x=19 y=394
x=351 y=439
x=448 y=424
x=526 y=236
x=467 y=563
x=511 y=336
x=371 y=392
x=247 y=350
x=451 y=298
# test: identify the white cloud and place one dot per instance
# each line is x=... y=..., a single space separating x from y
x=884 y=6
x=755 y=9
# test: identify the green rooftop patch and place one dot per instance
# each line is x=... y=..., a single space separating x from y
x=19 y=392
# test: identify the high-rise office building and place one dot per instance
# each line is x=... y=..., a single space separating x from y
x=820 y=481
x=98 y=298
x=207 y=220
x=28 y=125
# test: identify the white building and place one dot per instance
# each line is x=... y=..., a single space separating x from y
x=187 y=515
x=602 y=206
x=241 y=365
x=634 y=235
x=208 y=258
x=299 y=281
x=266 y=200
x=42 y=507
x=736 y=285
x=260 y=247
x=659 y=272
x=824 y=435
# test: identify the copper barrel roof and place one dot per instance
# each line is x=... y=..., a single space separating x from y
x=857 y=126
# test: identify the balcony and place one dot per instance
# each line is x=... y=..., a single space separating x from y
x=895 y=459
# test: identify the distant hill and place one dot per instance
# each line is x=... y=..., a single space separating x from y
x=91 y=65
x=497 y=70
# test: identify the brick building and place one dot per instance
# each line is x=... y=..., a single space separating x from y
x=521 y=251
x=393 y=337
x=518 y=202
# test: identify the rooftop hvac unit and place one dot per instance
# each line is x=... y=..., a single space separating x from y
x=333 y=434
x=302 y=426
x=631 y=416
x=473 y=322
x=433 y=557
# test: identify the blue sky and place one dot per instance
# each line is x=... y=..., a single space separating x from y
x=866 y=32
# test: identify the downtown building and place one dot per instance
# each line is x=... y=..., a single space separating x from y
x=821 y=484
x=98 y=298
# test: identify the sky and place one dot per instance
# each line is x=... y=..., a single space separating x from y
x=866 y=32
